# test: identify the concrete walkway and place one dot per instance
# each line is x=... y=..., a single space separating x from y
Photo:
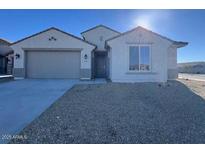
x=4 y=78
x=21 y=101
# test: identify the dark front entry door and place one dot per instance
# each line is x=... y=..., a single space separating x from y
x=100 y=64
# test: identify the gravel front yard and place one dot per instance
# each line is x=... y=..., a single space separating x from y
x=122 y=113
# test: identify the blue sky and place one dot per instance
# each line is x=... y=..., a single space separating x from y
x=179 y=25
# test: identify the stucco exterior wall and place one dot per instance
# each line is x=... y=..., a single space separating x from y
x=94 y=36
x=172 y=63
x=41 y=41
x=120 y=55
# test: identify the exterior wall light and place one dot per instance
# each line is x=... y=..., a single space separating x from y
x=85 y=56
x=17 y=56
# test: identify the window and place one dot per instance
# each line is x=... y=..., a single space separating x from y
x=134 y=58
x=139 y=58
x=144 y=58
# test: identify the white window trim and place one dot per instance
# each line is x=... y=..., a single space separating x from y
x=150 y=55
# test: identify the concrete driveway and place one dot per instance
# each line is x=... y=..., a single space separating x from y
x=22 y=101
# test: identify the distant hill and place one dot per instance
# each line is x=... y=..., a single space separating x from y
x=192 y=67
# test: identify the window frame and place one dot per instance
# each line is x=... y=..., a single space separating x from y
x=139 y=46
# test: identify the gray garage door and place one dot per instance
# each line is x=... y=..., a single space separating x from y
x=53 y=64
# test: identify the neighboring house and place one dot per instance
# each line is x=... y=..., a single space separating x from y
x=6 y=57
x=138 y=55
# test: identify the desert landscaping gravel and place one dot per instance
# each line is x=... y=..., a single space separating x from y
x=122 y=113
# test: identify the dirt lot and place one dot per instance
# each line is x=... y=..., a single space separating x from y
x=195 y=77
x=123 y=113
x=197 y=87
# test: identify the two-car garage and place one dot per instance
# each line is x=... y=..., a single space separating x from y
x=52 y=64
x=52 y=53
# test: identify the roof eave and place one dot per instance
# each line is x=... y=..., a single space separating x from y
x=180 y=44
x=54 y=28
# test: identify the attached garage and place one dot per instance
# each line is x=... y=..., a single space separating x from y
x=52 y=53
x=53 y=64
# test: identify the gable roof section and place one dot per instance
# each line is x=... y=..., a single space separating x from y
x=100 y=26
x=53 y=28
x=177 y=43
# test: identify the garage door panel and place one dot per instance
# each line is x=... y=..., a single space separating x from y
x=53 y=64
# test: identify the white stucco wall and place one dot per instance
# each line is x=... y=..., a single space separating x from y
x=172 y=57
x=172 y=63
x=94 y=35
x=63 y=42
x=120 y=54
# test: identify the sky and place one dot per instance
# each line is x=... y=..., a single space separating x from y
x=178 y=25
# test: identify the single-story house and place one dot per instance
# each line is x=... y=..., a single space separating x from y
x=6 y=57
x=138 y=55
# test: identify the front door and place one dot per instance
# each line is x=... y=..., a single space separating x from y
x=100 y=64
